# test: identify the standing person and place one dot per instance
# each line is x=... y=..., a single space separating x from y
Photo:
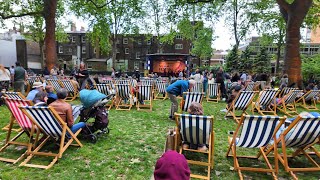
x=113 y=73
x=82 y=75
x=284 y=81
x=20 y=75
x=205 y=81
x=11 y=75
x=175 y=89
x=220 y=79
x=54 y=73
x=65 y=110
x=197 y=76
x=46 y=73
x=4 y=78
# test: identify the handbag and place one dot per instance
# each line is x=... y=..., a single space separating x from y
x=170 y=140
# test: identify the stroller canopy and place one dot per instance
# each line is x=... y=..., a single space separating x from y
x=90 y=97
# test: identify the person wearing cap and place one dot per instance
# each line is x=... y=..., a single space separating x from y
x=175 y=89
x=36 y=87
x=172 y=165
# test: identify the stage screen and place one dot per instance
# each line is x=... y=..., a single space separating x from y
x=166 y=66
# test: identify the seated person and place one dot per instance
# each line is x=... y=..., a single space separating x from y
x=36 y=87
x=65 y=111
x=73 y=81
x=40 y=99
x=172 y=165
x=51 y=95
x=195 y=109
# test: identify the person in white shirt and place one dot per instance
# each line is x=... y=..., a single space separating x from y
x=198 y=77
x=4 y=77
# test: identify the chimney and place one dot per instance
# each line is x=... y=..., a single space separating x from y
x=73 y=27
x=82 y=28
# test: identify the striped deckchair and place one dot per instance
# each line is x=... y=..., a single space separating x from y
x=107 y=90
x=287 y=104
x=256 y=132
x=144 y=96
x=147 y=82
x=24 y=124
x=262 y=105
x=249 y=86
x=240 y=103
x=286 y=90
x=195 y=129
x=302 y=133
x=51 y=124
x=309 y=96
x=122 y=81
x=55 y=83
x=189 y=97
x=124 y=97
x=13 y=95
x=71 y=88
x=213 y=92
x=161 y=90
x=198 y=87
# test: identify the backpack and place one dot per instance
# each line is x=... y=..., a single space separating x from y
x=101 y=121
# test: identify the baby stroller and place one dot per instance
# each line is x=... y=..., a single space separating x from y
x=94 y=107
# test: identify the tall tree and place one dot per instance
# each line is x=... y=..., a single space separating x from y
x=232 y=60
x=262 y=63
x=293 y=12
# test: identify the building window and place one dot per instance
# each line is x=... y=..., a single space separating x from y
x=83 y=49
x=126 y=50
x=139 y=41
x=178 y=36
x=149 y=42
x=178 y=46
x=136 y=64
x=73 y=39
x=83 y=39
x=60 y=49
x=125 y=41
x=137 y=55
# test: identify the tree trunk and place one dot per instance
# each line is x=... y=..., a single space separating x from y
x=41 y=53
x=294 y=15
x=114 y=50
x=50 y=8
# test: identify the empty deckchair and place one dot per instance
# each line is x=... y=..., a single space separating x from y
x=309 y=96
x=189 y=97
x=302 y=133
x=107 y=90
x=254 y=132
x=124 y=97
x=213 y=92
x=198 y=87
x=161 y=90
x=24 y=123
x=71 y=88
x=240 y=103
x=144 y=96
x=51 y=124
x=263 y=103
x=195 y=129
x=287 y=104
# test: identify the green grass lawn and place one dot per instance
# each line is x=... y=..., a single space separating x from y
x=130 y=151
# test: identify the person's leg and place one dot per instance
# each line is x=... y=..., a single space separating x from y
x=22 y=87
x=77 y=126
x=174 y=105
x=205 y=85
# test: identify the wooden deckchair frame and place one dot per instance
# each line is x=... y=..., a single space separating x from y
x=232 y=152
x=63 y=145
x=210 y=152
x=302 y=101
x=288 y=108
x=217 y=98
x=256 y=105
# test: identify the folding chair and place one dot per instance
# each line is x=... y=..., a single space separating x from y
x=240 y=103
x=144 y=96
x=302 y=133
x=71 y=88
x=124 y=97
x=213 y=92
x=198 y=87
x=309 y=96
x=287 y=104
x=107 y=90
x=51 y=124
x=256 y=132
x=262 y=105
x=13 y=95
x=249 y=86
x=30 y=81
x=196 y=129
x=189 y=97
x=286 y=90
x=55 y=83
x=161 y=92
x=25 y=126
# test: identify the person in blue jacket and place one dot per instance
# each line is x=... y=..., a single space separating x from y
x=175 y=89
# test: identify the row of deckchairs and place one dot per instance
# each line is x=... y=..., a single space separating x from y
x=72 y=89
x=36 y=122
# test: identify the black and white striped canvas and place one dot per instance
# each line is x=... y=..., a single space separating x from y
x=68 y=85
x=13 y=95
x=311 y=95
x=104 y=89
x=243 y=100
x=55 y=83
x=190 y=97
x=213 y=89
x=249 y=86
x=198 y=87
x=292 y=96
x=161 y=87
x=267 y=96
x=145 y=92
x=123 y=90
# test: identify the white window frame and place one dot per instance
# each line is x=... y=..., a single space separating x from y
x=125 y=41
x=84 y=49
x=126 y=51
x=136 y=64
x=60 y=49
x=73 y=39
x=138 y=55
x=178 y=46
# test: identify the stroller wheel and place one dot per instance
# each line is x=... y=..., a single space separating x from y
x=93 y=138
x=106 y=131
